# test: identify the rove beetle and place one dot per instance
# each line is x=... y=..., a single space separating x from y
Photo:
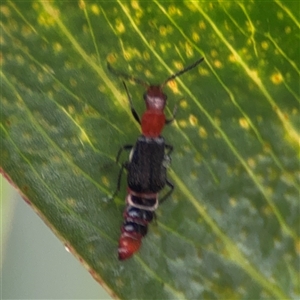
x=147 y=165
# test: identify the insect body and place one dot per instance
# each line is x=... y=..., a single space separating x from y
x=146 y=168
x=146 y=177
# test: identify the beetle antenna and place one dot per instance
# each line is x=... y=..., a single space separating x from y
x=182 y=71
x=126 y=76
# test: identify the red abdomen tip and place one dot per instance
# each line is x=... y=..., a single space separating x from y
x=128 y=246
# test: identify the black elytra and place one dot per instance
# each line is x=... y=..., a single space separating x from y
x=147 y=172
x=147 y=166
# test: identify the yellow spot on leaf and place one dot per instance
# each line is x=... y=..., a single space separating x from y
x=173 y=86
x=195 y=37
x=217 y=121
x=170 y=30
x=120 y=26
x=68 y=65
x=182 y=123
x=119 y=282
x=95 y=9
x=173 y=10
x=146 y=55
x=203 y=71
x=232 y=58
x=254 y=75
x=265 y=45
x=183 y=104
x=135 y=5
x=71 y=202
x=71 y=109
x=57 y=47
x=267 y=210
x=139 y=68
x=147 y=73
x=197 y=158
x=251 y=163
x=26 y=30
x=20 y=59
x=232 y=202
x=276 y=78
x=163 y=30
x=287 y=29
x=178 y=65
x=266 y=147
x=102 y=88
x=84 y=137
x=46 y=20
x=130 y=53
x=89 y=110
x=203 y=132
x=73 y=82
x=218 y=64
x=81 y=4
x=193 y=120
x=163 y=48
x=202 y=25
x=111 y=58
x=152 y=43
x=50 y=94
x=26 y=136
x=214 y=53
x=280 y=15
x=78 y=119
x=244 y=123
x=105 y=181
x=259 y=119
x=189 y=50
x=41 y=77
x=36 y=6
x=5 y=11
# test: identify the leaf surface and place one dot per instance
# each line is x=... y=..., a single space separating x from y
x=231 y=228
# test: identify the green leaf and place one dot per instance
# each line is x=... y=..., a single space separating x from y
x=231 y=228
